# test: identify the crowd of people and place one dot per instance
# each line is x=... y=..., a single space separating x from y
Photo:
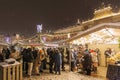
x=86 y=59
x=35 y=60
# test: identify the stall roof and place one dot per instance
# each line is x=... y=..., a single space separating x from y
x=115 y=26
x=3 y=44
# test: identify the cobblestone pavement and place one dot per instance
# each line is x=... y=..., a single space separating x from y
x=64 y=76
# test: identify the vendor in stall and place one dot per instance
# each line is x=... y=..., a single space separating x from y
x=107 y=54
x=94 y=60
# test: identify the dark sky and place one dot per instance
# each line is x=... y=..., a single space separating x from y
x=22 y=16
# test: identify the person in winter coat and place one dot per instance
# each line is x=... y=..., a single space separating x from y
x=30 y=60
x=107 y=55
x=6 y=53
x=51 y=58
x=58 y=61
x=97 y=50
x=14 y=54
x=87 y=63
x=38 y=60
x=1 y=57
x=94 y=60
x=25 y=65
x=72 y=60
x=62 y=51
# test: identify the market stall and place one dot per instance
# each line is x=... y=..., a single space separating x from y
x=113 y=71
x=103 y=35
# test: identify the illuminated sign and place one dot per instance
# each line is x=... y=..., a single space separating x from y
x=39 y=28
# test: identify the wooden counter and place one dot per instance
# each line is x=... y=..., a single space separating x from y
x=113 y=72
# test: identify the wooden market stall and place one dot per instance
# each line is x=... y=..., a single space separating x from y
x=103 y=35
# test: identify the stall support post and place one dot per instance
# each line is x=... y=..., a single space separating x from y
x=69 y=57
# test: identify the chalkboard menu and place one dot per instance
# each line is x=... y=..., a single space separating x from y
x=113 y=72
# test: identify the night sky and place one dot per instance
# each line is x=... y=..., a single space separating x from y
x=22 y=16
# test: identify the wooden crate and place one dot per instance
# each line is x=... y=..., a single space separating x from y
x=11 y=71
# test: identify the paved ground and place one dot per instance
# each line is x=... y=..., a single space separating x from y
x=70 y=76
x=64 y=76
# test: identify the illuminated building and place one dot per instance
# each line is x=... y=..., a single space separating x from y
x=102 y=31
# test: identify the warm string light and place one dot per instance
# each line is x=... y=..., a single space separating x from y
x=105 y=35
